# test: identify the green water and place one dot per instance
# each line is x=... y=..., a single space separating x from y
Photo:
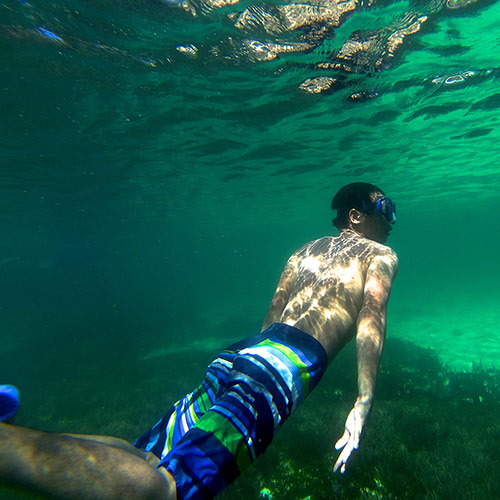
x=151 y=197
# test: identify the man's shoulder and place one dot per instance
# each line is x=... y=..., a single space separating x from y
x=384 y=255
x=381 y=249
x=319 y=245
x=371 y=252
x=366 y=247
x=313 y=248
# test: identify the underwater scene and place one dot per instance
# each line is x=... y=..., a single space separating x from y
x=162 y=159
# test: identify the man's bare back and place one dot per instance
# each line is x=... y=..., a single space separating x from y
x=324 y=285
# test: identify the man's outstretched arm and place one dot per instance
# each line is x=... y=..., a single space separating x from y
x=371 y=329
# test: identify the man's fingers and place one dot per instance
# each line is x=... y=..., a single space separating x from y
x=344 y=456
x=343 y=440
x=340 y=463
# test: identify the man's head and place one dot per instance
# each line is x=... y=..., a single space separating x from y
x=363 y=207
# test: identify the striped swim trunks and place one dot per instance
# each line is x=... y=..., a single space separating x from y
x=211 y=435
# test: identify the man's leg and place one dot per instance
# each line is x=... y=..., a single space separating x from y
x=83 y=467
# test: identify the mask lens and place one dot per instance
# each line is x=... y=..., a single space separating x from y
x=388 y=209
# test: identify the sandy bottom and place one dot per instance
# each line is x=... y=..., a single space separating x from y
x=463 y=330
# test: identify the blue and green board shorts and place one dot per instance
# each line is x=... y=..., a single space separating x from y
x=211 y=435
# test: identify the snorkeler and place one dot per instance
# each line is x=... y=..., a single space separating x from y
x=331 y=290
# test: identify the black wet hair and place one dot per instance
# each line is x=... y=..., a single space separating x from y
x=355 y=195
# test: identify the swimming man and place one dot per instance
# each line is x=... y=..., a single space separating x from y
x=331 y=290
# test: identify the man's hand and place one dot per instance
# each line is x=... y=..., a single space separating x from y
x=350 y=439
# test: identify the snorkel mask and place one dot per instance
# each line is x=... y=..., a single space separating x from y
x=385 y=206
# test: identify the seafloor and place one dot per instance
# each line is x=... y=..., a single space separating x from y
x=433 y=433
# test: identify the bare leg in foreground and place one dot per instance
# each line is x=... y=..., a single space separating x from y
x=80 y=467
